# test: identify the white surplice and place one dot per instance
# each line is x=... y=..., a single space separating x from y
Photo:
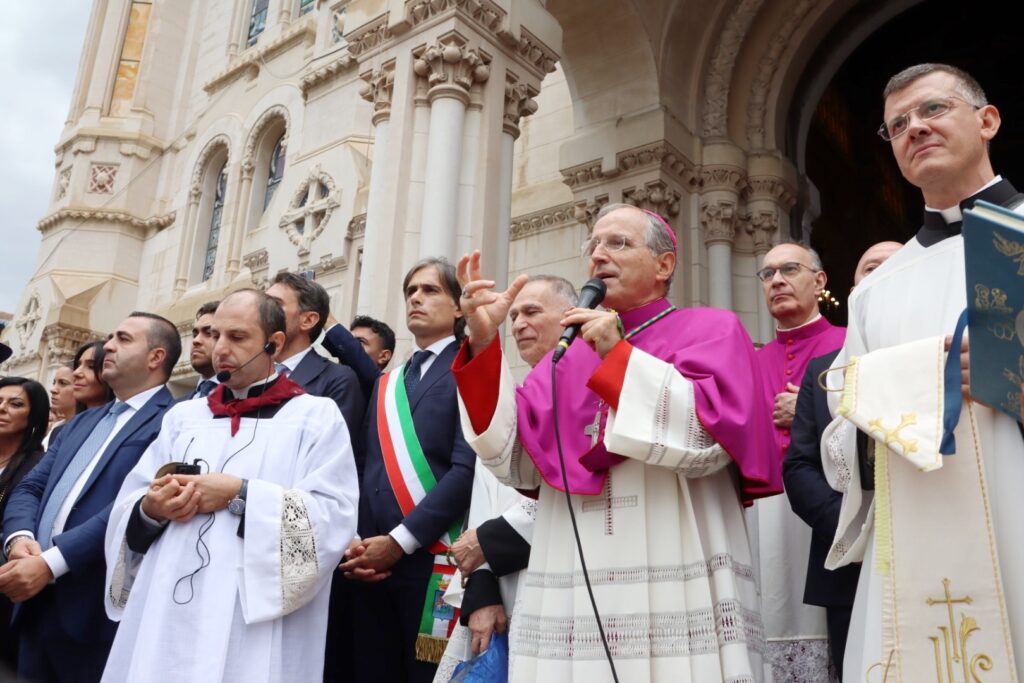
x=258 y=611
x=666 y=549
x=917 y=294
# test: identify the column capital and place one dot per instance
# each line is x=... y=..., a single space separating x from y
x=519 y=102
x=718 y=219
x=762 y=225
x=378 y=86
x=451 y=67
x=725 y=177
x=772 y=188
x=654 y=196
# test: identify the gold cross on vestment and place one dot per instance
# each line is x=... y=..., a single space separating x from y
x=949 y=601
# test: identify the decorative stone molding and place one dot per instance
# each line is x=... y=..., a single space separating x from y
x=275 y=112
x=761 y=225
x=655 y=196
x=534 y=54
x=21 y=358
x=585 y=212
x=326 y=73
x=561 y=216
x=772 y=188
x=329 y=263
x=483 y=12
x=211 y=147
x=101 y=178
x=718 y=219
x=110 y=216
x=451 y=67
x=766 y=68
x=183 y=369
x=519 y=102
x=310 y=208
x=656 y=155
x=356 y=227
x=250 y=62
x=258 y=262
x=63 y=180
x=62 y=341
x=369 y=36
x=377 y=88
x=719 y=75
x=582 y=175
x=25 y=324
x=728 y=178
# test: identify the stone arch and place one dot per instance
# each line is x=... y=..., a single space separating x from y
x=272 y=125
x=214 y=157
x=273 y=117
x=219 y=142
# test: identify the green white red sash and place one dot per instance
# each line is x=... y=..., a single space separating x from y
x=411 y=480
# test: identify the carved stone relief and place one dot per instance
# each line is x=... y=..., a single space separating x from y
x=101 y=178
x=310 y=208
x=451 y=67
x=718 y=219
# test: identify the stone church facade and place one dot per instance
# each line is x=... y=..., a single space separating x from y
x=210 y=145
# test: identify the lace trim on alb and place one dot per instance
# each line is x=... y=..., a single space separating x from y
x=623 y=575
x=299 y=564
x=121 y=581
x=834 y=447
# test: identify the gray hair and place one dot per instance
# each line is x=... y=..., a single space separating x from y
x=815 y=258
x=967 y=86
x=656 y=238
x=559 y=285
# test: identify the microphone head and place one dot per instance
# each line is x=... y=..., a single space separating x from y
x=223 y=376
x=592 y=293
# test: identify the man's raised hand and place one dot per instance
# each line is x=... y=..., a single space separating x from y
x=483 y=308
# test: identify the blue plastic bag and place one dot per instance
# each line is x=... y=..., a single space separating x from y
x=490 y=666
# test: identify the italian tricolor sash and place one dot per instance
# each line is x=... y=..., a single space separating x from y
x=411 y=480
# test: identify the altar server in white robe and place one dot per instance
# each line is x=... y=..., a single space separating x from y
x=940 y=595
x=225 y=575
x=664 y=440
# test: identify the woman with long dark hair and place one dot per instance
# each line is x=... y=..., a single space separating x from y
x=24 y=413
x=89 y=389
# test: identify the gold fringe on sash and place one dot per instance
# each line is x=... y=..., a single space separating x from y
x=430 y=648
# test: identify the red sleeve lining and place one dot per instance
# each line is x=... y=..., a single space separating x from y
x=477 y=380
x=610 y=375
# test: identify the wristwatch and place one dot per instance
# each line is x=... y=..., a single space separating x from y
x=237 y=504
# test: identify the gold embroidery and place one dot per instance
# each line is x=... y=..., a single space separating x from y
x=1015 y=250
x=953 y=642
x=886 y=665
x=892 y=436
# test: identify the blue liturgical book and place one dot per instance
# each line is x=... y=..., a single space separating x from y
x=994 y=260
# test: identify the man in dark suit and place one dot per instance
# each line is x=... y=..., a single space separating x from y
x=366 y=347
x=811 y=496
x=306 y=308
x=402 y=531
x=57 y=517
x=201 y=352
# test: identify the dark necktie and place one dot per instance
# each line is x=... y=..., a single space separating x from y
x=412 y=373
x=205 y=387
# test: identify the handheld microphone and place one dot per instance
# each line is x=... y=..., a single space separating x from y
x=591 y=295
x=270 y=348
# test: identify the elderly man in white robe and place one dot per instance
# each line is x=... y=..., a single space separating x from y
x=939 y=595
x=225 y=575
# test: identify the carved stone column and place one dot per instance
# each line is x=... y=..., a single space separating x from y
x=377 y=89
x=772 y=193
x=723 y=179
x=519 y=102
x=451 y=68
x=242 y=220
x=185 y=246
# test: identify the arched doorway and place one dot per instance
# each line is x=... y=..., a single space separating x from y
x=863 y=197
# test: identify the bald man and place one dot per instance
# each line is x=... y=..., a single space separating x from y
x=811 y=496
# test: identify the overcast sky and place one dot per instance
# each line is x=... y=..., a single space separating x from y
x=40 y=45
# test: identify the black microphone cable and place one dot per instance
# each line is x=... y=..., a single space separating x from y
x=575 y=528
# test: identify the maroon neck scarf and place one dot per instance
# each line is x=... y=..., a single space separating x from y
x=280 y=391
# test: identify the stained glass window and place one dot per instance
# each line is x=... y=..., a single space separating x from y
x=274 y=172
x=215 y=218
x=258 y=20
x=305 y=6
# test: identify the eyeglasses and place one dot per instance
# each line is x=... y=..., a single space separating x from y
x=927 y=110
x=788 y=270
x=611 y=243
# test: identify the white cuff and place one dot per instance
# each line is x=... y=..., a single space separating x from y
x=24 y=533
x=55 y=560
x=405 y=539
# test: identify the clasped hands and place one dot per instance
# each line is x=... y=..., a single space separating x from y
x=485 y=310
x=370 y=559
x=26 y=573
x=180 y=497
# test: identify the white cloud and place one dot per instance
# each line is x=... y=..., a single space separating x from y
x=40 y=46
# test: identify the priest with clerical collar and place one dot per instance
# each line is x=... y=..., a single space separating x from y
x=224 y=575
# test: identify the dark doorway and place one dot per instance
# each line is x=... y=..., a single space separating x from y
x=863 y=197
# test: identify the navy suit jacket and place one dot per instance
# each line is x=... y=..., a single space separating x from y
x=810 y=495
x=340 y=343
x=320 y=377
x=79 y=593
x=435 y=414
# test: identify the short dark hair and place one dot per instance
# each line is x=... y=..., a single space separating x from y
x=162 y=334
x=98 y=354
x=968 y=87
x=208 y=308
x=449 y=281
x=312 y=297
x=268 y=312
x=381 y=329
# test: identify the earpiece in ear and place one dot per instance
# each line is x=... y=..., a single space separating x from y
x=270 y=348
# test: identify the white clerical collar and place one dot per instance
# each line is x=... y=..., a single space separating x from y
x=953 y=214
x=797 y=327
x=293 y=361
x=244 y=392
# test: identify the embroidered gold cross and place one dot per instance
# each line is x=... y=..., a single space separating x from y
x=949 y=601
x=892 y=436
